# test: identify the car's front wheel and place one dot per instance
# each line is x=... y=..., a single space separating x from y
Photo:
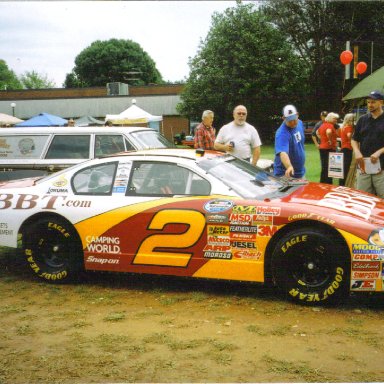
x=53 y=250
x=311 y=266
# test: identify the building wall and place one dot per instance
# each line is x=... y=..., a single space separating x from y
x=77 y=102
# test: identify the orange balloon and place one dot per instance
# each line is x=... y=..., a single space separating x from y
x=361 y=67
x=346 y=57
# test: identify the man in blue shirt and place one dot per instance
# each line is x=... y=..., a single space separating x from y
x=289 y=145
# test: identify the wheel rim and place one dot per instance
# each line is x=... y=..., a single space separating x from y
x=310 y=266
x=51 y=252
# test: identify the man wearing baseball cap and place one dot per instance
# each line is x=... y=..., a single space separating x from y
x=289 y=145
x=368 y=146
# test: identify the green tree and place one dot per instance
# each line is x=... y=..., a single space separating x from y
x=35 y=80
x=115 y=60
x=243 y=60
x=8 y=78
x=318 y=31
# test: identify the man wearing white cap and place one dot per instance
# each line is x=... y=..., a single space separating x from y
x=289 y=145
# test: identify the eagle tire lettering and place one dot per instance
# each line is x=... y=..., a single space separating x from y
x=53 y=250
x=311 y=266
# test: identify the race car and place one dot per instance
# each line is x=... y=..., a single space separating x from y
x=201 y=214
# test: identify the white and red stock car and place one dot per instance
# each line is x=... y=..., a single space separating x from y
x=206 y=215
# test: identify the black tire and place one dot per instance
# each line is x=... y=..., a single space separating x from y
x=311 y=266
x=53 y=250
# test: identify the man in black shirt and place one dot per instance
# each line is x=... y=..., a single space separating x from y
x=368 y=146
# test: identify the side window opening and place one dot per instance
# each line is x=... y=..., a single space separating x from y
x=164 y=179
x=96 y=180
x=69 y=147
x=108 y=144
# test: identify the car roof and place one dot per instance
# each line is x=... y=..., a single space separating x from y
x=186 y=153
x=71 y=130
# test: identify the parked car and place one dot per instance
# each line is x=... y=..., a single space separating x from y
x=196 y=214
x=34 y=151
x=308 y=128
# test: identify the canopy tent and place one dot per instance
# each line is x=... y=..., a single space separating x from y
x=8 y=119
x=87 y=120
x=133 y=115
x=375 y=81
x=43 y=120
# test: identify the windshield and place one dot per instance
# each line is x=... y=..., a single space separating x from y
x=248 y=181
x=152 y=139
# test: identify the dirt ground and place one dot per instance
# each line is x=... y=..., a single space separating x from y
x=130 y=328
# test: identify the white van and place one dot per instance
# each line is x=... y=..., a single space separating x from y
x=35 y=151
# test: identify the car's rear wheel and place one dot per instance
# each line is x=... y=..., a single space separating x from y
x=311 y=266
x=53 y=250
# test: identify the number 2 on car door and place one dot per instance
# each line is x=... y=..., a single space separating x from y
x=147 y=254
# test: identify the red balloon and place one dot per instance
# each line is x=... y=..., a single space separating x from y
x=361 y=67
x=346 y=57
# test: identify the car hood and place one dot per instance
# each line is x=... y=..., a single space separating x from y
x=339 y=201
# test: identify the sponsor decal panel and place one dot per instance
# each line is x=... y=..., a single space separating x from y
x=365 y=266
x=216 y=218
x=103 y=244
x=243 y=236
x=218 y=205
x=247 y=254
x=361 y=275
x=244 y=209
x=214 y=230
x=367 y=257
x=242 y=228
x=101 y=260
x=363 y=285
x=367 y=249
x=270 y=211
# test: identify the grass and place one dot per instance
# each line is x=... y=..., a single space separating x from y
x=312 y=161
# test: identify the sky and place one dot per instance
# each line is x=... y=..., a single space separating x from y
x=46 y=36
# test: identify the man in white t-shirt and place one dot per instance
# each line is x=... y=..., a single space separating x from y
x=239 y=138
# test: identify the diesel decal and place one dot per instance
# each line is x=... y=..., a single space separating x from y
x=243 y=244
